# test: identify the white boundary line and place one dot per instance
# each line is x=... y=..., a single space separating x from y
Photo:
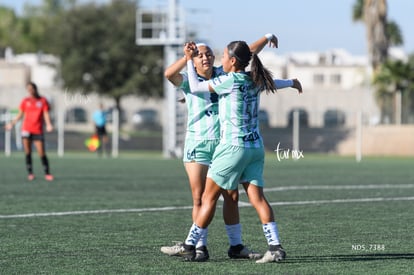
x=344 y=201
x=325 y=187
x=102 y=211
x=160 y=209
x=339 y=187
x=241 y=203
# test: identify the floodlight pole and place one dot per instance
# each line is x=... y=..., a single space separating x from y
x=170 y=34
x=61 y=131
x=169 y=127
x=7 y=137
x=295 y=130
x=170 y=115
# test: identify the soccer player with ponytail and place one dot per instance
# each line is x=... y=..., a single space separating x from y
x=239 y=157
x=34 y=110
x=202 y=138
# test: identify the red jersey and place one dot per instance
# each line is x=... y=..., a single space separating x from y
x=33 y=109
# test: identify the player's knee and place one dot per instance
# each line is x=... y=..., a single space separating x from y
x=197 y=202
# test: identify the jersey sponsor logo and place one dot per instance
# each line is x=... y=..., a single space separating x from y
x=210 y=113
x=251 y=137
x=250 y=98
x=247 y=88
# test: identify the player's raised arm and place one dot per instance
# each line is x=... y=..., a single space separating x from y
x=172 y=73
x=268 y=38
x=288 y=83
x=272 y=40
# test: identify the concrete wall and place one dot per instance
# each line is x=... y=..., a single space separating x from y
x=375 y=140
x=384 y=140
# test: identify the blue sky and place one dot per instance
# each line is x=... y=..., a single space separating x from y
x=301 y=25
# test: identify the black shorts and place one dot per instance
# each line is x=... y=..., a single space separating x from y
x=100 y=130
x=31 y=136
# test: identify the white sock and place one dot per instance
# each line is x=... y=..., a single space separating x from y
x=203 y=239
x=194 y=235
x=234 y=234
x=271 y=233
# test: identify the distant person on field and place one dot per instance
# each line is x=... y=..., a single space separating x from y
x=99 y=119
x=34 y=110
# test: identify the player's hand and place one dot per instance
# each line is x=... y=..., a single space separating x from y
x=49 y=128
x=190 y=49
x=297 y=85
x=274 y=43
x=8 y=126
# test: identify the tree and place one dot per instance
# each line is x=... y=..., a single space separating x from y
x=16 y=32
x=396 y=76
x=8 y=20
x=26 y=33
x=96 y=44
x=381 y=33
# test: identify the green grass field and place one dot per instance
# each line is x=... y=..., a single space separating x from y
x=111 y=216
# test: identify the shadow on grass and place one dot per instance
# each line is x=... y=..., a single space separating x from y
x=320 y=259
x=351 y=258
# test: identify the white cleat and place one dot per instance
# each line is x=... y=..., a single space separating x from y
x=273 y=256
x=173 y=250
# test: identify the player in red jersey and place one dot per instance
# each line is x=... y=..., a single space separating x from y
x=34 y=110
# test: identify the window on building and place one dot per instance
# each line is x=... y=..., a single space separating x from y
x=336 y=79
x=76 y=115
x=318 y=78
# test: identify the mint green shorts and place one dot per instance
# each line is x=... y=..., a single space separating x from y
x=200 y=151
x=233 y=165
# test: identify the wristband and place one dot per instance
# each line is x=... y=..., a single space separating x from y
x=269 y=36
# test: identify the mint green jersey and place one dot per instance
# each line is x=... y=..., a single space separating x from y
x=238 y=110
x=202 y=108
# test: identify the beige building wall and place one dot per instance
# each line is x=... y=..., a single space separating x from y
x=381 y=140
x=13 y=75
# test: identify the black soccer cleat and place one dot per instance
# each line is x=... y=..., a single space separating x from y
x=242 y=252
x=188 y=253
x=201 y=254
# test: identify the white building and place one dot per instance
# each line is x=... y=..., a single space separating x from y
x=331 y=81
